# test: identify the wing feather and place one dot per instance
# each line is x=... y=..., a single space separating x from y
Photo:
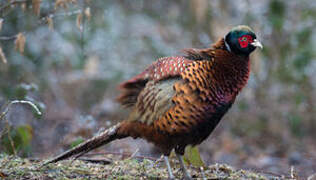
x=161 y=69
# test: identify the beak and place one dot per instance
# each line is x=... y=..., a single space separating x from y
x=257 y=43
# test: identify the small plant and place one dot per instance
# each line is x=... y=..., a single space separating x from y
x=19 y=138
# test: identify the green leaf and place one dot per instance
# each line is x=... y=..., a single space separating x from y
x=192 y=156
x=276 y=15
x=21 y=137
x=295 y=122
x=25 y=134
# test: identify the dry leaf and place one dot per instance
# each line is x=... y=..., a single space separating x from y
x=20 y=43
x=2 y=56
x=78 y=21
x=50 y=23
x=72 y=1
x=92 y=66
x=200 y=8
x=61 y=3
x=64 y=3
x=23 y=6
x=36 y=6
x=3 y=175
x=1 y=22
x=87 y=13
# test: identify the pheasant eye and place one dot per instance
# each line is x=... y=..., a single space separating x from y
x=244 y=41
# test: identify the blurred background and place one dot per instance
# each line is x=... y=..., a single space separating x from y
x=77 y=52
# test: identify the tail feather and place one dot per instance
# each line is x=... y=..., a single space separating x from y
x=93 y=143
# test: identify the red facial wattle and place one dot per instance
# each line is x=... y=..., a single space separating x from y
x=245 y=40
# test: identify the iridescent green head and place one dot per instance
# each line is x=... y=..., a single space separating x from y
x=242 y=40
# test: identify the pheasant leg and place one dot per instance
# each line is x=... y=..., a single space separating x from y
x=186 y=174
x=171 y=176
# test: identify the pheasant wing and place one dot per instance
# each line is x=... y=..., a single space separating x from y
x=161 y=69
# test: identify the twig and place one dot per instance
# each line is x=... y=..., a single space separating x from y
x=100 y=161
x=262 y=171
x=52 y=15
x=10 y=139
x=3 y=133
x=82 y=43
x=20 y=102
x=293 y=173
x=133 y=155
x=7 y=131
x=8 y=38
x=159 y=160
x=124 y=154
x=202 y=172
x=42 y=21
x=10 y=3
x=3 y=114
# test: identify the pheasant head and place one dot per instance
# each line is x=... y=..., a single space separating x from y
x=242 y=40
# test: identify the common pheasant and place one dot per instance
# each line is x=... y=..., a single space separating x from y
x=178 y=101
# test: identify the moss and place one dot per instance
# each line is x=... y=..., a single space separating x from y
x=17 y=168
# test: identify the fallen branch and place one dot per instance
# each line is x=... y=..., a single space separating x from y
x=99 y=161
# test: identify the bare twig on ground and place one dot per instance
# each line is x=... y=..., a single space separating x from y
x=134 y=154
x=123 y=154
x=158 y=160
x=99 y=161
x=293 y=173
x=202 y=172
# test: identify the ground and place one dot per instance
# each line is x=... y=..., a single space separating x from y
x=12 y=167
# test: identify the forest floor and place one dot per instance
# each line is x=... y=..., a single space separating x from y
x=12 y=167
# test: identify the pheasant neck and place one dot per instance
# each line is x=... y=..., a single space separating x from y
x=232 y=75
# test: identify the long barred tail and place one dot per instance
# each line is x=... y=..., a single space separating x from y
x=93 y=143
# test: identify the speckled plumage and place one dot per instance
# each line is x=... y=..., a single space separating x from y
x=178 y=101
x=183 y=107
